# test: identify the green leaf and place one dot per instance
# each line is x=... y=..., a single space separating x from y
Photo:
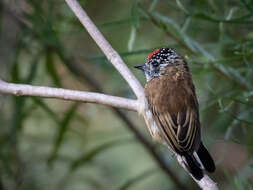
x=186 y=25
x=172 y=24
x=15 y=73
x=125 y=54
x=50 y=65
x=17 y=118
x=248 y=5
x=47 y=109
x=63 y=127
x=36 y=5
x=200 y=49
x=135 y=14
x=116 y=23
x=29 y=110
x=234 y=75
x=172 y=29
x=20 y=114
x=88 y=156
x=131 y=39
x=138 y=178
x=152 y=6
x=181 y=6
x=240 y=184
x=246 y=19
x=33 y=69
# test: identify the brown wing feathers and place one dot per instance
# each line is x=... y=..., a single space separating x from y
x=176 y=118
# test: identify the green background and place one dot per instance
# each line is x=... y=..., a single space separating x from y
x=55 y=144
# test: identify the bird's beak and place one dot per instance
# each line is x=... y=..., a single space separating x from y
x=141 y=67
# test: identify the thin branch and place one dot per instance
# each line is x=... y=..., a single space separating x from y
x=207 y=183
x=59 y=93
x=110 y=53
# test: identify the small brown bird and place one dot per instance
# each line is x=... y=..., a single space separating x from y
x=174 y=108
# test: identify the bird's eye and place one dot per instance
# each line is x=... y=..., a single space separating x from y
x=155 y=64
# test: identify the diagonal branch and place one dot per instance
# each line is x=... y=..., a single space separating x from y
x=65 y=94
x=109 y=52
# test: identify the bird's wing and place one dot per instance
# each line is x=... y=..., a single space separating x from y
x=181 y=130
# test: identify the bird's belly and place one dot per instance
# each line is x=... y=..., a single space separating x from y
x=153 y=129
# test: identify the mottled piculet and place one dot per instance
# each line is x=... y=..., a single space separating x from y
x=172 y=100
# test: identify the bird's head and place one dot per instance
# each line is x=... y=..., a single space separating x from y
x=158 y=61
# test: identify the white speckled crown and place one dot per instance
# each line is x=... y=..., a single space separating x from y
x=163 y=56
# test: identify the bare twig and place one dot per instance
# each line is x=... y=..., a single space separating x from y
x=207 y=183
x=109 y=52
x=47 y=92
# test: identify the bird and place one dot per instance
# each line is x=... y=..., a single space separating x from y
x=174 y=108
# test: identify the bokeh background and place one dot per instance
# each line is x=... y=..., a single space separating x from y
x=55 y=144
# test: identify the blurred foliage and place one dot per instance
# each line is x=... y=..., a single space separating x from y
x=53 y=144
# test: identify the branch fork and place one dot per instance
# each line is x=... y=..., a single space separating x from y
x=139 y=105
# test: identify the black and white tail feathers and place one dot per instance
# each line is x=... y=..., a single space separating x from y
x=206 y=158
x=196 y=168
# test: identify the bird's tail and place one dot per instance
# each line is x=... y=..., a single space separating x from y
x=193 y=166
x=196 y=163
x=206 y=158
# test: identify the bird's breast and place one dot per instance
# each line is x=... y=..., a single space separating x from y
x=170 y=93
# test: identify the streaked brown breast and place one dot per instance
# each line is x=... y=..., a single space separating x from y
x=174 y=105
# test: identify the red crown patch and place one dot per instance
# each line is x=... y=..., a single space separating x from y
x=152 y=53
